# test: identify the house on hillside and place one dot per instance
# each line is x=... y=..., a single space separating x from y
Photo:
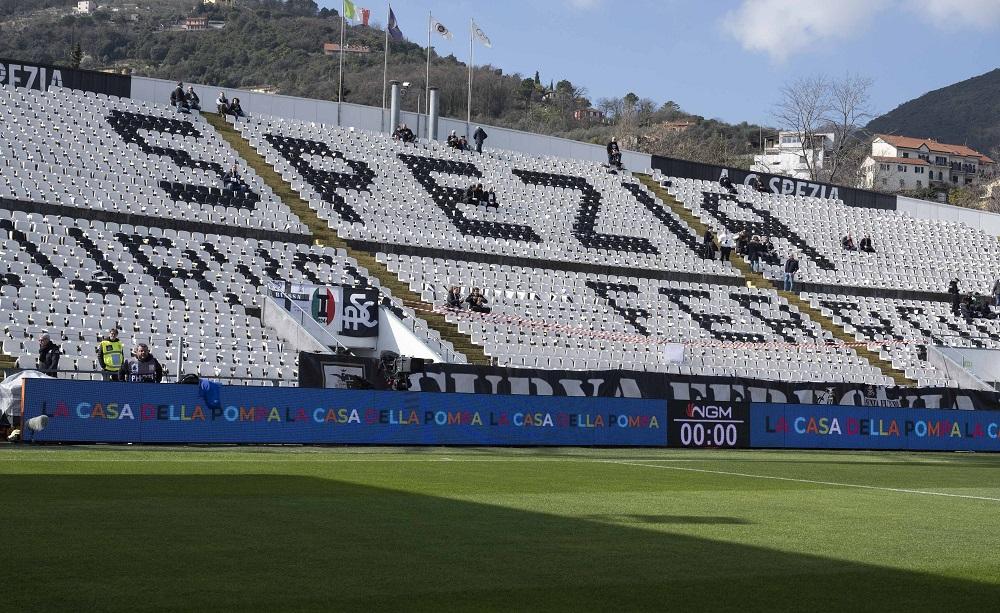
x=588 y=115
x=677 y=126
x=903 y=163
x=791 y=154
x=86 y=7
x=334 y=48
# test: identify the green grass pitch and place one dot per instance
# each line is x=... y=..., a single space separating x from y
x=317 y=529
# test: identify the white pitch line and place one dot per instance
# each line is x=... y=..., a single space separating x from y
x=794 y=480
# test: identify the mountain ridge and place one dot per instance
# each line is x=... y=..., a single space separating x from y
x=963 y=113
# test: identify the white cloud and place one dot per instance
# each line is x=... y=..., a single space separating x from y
x=583 y=5
x=781 y=28
x=952 y=15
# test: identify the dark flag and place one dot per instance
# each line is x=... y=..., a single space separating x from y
x=393 y=28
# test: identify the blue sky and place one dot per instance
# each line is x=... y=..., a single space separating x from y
x=720 y=58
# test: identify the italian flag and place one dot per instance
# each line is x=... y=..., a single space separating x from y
x=349 y=11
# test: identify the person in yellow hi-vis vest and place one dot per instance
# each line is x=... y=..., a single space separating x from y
x=110 y=355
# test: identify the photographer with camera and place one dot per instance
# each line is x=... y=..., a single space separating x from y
x=143 y=369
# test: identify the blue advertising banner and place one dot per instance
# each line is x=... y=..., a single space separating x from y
x=84 y=411
x=838 y=427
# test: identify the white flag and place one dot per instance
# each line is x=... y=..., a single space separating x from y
x=479 y=34
x=437 y=26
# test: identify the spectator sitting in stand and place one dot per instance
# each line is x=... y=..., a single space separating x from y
x=727 y=183
x=980 y=306
x=233 y=181
x=404 y=134
x=453 y=140
x=178 y=99
x=235 y=109
x=193 y=101
x=477 y=302
x=955 y=296
x=965 y=309
x=470 y=194
x=866 y=244
x=463 y=144
x=614 y=154
x=222 y=104
x=848 y=243
x=143 y=369
x=48 y=356
x=455 y=297
x=491 y=197
x=767 y=250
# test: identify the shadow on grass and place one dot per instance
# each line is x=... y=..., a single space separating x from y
x=670 y=519
x=270 y=543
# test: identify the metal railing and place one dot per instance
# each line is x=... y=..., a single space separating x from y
x=301 y=316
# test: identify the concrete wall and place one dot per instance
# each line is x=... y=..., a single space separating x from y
x=289 y=328
x=395 y=336
x=972 y=368
x=925 y=209
x=372 y=119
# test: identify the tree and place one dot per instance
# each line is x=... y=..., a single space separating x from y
x=538 y=78
x=804 y=107
x=989 y=183
x=849 y=109
x=76 y=56
x=630 y=101
x=527 y=91
x=815 y=106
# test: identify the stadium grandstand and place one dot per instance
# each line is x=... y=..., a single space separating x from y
x=303 y=357
x=118 y=214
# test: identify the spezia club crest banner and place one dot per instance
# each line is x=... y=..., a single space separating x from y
x=339 y=310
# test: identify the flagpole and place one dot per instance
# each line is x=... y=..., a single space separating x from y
x=472 y=60
x=427 y=78
x=385 y=67
x=340 y=80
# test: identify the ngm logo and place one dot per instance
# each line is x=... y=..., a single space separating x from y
x=709 y=411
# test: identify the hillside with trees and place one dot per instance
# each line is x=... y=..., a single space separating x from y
x=965 y=113
x=277 y=45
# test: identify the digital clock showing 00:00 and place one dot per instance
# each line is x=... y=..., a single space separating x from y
x=708 y=424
